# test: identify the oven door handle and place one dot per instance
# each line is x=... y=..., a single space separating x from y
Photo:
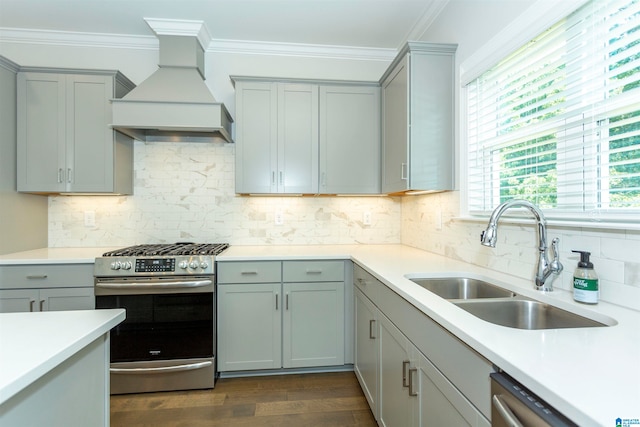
x=163 y=369
x=155 y=285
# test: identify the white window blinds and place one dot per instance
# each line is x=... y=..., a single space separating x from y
x=558 y=121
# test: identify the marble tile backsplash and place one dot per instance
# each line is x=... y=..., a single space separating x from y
x=430 y=222
x=185 y=192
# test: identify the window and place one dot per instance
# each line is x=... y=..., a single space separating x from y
x=558 y=121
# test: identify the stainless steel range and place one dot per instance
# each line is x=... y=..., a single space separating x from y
x=167 y=341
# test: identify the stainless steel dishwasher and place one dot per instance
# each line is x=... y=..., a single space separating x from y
x=512 y=405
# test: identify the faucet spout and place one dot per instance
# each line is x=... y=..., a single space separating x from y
x=544 y=268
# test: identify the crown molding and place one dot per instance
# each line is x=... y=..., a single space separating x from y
x=66 y=38
x=429 y=15
x=301 y=50
x=181 y=27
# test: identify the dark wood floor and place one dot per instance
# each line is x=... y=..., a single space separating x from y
x=323 y=399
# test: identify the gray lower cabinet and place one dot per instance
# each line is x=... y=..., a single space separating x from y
x=26 y=288
x=275 y=314
x=408 y=386
x=65 y=142
x=307 y=137
x=418 y=119
x=367 y=348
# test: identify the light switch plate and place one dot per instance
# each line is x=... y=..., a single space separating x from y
x=89 y=219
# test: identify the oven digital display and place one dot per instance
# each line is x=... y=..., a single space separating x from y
x=152 y=265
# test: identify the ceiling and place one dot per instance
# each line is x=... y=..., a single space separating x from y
x=355 y=23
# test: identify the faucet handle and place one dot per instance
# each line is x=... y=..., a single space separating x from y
x=555 y=264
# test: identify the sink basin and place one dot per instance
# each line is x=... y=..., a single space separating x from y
x=462 y=288
x=525 y=314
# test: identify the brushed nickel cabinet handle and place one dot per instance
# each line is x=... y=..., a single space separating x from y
x=371 y=323
x=69 y=176
x=246 y=273
x=41 y=305
x=60 y=175
x=405 y=365
x=276 y=301
x=403 y=171
x=286 y=302
x=411 y=372
x=36 y=276
x=31 y=303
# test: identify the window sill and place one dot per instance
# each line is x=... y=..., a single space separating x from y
x=557 y=223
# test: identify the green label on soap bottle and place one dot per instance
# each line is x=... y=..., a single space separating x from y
x=585 y=284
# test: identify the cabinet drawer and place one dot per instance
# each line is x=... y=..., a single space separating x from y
x=46 y=276
x=313 y=271
x=364 y=281
x=249 y=272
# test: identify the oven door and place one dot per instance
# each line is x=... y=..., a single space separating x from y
x=167 y=341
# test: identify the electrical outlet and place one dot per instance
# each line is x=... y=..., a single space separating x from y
x=89 y=219
x=279 y=218
x=366 y=218
x=438 y=220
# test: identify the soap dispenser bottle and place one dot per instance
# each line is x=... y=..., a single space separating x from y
x=585 y=280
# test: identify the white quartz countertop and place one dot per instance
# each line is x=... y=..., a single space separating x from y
x=54 y=256
x=32 y=344
x=591 y=375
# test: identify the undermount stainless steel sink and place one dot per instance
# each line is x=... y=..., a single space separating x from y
x=462 y=288
x=525 y=314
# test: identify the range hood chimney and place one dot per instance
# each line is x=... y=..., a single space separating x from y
x=174 y=103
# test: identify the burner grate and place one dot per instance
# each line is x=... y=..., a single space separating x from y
x=169 y=249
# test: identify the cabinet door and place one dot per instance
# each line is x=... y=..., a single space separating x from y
x=367 y=349
x=61 y=299
x=396 y=405
x=395 y=125
x=440 y=402
x=41 y=132
x=89 y=141
x=256 y=137
x=297 y=138
x=18 y=300
x=249 y=326
x=349 y=140
x=313 y=324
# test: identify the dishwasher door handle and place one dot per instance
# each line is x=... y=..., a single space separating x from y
x=505 y=412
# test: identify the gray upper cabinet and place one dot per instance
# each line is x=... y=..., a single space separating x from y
x=349 y=139
x=418 y=119
x=307 y=137
x=276 y=137
x=65 y=142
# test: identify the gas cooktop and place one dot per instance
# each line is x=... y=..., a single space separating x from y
x=169 y=249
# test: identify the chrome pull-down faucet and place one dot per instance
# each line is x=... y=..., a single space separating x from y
x=544 y=268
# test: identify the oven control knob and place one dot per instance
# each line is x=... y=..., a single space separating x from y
x=116 y=265
x=126 y=265
x=194 y=264
x=183 y=265
x=204 y=265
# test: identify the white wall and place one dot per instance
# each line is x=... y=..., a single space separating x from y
x=431 y=222
x=23 y=217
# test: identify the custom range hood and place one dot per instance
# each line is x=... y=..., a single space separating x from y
x=174 y=103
